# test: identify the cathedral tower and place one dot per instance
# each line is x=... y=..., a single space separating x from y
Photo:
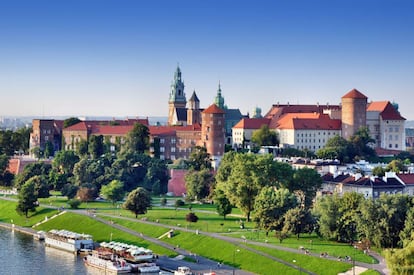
x=193 y=110
x=177 y=98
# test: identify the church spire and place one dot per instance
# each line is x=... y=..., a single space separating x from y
x=177 y=94
x=219 y=100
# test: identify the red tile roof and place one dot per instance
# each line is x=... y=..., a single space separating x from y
x=354 y=93
x=80 y=126
x=386 y=110
x=377 y=106
x=162 y=130
x=308 y=121
x=252 y=123
x=213 y=109
x=407 y=178
x=115 y=130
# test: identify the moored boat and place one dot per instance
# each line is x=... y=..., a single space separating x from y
x=69 y=241
x=146 y=268
x=107 y=262
x=131 y=253
x=183 y=270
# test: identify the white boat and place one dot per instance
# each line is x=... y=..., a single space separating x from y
x=108 y=263
x=129 y=252
x=183 y=270
x=146 y=268
x=69 y=241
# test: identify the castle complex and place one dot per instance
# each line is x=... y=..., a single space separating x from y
x=311 y=126
x=298 y=126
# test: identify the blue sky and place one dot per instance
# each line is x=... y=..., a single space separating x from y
x=117 y=58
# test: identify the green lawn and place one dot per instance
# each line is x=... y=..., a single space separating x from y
x=199 y=244
x=99 y=231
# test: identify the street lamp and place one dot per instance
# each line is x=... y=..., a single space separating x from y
x=300 y=270
x=234 y=256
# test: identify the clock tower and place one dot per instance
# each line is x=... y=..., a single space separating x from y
x=177 y=98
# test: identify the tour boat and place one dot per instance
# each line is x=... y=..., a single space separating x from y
x=129 y=252
x=145 y=268
x=69 y=241
x=183 y=270
x=107 y=262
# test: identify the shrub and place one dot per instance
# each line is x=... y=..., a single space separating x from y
x=74 y=204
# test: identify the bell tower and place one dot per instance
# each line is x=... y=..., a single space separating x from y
x=177 y=97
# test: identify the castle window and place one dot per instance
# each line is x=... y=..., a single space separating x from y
x=172 y=149
x=162 y=149
x=162 y=141
x=173 y=140
x=396 y=145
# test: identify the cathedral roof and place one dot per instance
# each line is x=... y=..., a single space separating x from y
x=194 y=97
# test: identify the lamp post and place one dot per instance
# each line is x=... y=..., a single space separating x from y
x=300 y=270
x=234 y=259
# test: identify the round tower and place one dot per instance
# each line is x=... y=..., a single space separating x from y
x=213 y=132
x=354 y=112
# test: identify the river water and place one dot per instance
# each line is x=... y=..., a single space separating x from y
x=21 y=254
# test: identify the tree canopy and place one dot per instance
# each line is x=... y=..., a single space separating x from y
x=265 y=137
x=138 y=201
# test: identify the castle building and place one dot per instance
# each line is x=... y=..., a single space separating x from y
x=311 y=126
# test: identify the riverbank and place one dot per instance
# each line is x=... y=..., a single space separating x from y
x=21 y=229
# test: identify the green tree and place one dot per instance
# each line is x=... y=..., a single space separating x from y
x=27 y=199
x=131 y=168
x=406 y=234
x=64 y=161
x=41 y=186
x=378 y=171
x=381 y=220
x=96 y=146
x=362 y=144
x=6 y=177
x=336 y=148
x=82 y=148
x=249 y=173
x=157 y=176
x=326 y=210
x=49 y=149
x=296 y=221
x=309 y=182
x=265 y=137
x=223 y=205
x=396 y=166
x=33 y=169
x=114 y=191
x=137 y=139
x=138 y=201
x=271 y=204
x=198 y=184
x=69 y=190
x=401 y=261
x=199 y=159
